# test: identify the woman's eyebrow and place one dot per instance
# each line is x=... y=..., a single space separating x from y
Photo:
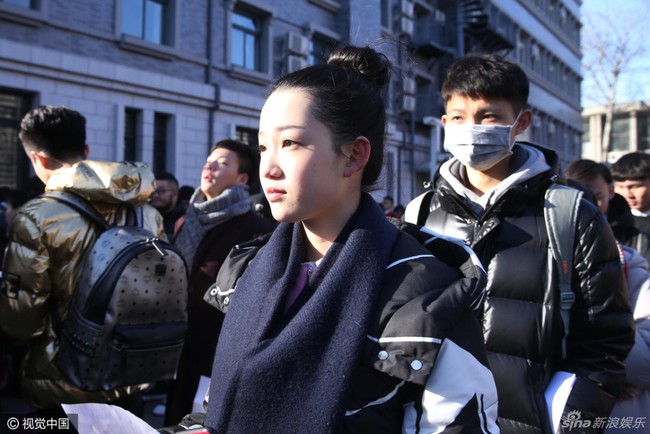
x=284 y=128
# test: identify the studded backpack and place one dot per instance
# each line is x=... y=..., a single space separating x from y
x=127 y=319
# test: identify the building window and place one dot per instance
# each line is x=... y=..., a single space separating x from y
x=390 y=176
x=586 y=132
x=160 y=142
x=643 y=131
x=525 y=49
x=427 y=100
x=247 y=136
x=14 y=166
x=29 y=12
x=246 y=40
x=621 y=134
x=131 y=133
x=250 y=44
x=385 y=13
x=320 y=49
x=28 y=4
x=148 y=20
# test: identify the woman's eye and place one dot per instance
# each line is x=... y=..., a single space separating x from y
x=287 y=142
x=261 y=148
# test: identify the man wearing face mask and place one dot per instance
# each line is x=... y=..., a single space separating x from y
x=491 y=194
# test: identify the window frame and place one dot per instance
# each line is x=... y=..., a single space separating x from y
x=328 y=5
x=643 y=131
x=166 y=50
x=162 y=157
x=314 y=31
x=621 y=133
x=319 y=44
x=257 y=35
x=265 y=13
x=136 y=116
x=17 y=159
x=34 y=16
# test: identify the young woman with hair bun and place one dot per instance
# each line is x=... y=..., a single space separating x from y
x=340 y=321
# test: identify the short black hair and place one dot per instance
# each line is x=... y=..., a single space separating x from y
x=487 y=76
x=166 y=176
x=635 y=166
x=587 y=171
x=56 y=130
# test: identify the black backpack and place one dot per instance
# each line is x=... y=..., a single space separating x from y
x=127 y=319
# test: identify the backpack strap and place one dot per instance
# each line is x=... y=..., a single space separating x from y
x=79 y=204
x=561 y=205
x=417 y=210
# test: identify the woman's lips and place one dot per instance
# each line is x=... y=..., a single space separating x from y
x=274 y=194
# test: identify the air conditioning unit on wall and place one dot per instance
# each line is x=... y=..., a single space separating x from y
x=294 y=63
x=297 y=43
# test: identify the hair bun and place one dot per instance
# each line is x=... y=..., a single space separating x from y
x=374 y=67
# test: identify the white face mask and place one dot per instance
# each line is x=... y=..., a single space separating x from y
x=479 y=146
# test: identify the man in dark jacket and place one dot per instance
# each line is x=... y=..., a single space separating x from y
x=491 y=194
x=631 y=174
x=165 y=199
x=218 y=218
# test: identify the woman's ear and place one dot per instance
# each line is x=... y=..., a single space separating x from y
x=357 y=153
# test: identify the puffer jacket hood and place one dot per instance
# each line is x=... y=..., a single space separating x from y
x=112 y=183
x=532 y=162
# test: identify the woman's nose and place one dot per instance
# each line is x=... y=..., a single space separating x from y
x=269 y=167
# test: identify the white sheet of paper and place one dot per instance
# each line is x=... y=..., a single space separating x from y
x=107 y=419
x=199 y=397
x=556 y=395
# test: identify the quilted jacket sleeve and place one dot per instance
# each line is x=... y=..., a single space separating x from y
x=638 y=281
x=26 y=284
x=601 y=327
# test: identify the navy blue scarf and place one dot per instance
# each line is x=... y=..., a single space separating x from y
x=291 y=373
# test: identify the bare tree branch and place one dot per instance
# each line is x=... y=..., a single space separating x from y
x=610 y=48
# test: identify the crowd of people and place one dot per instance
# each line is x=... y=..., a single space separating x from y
x=316 y=309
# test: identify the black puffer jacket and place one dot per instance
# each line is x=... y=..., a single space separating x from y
x=628 y=229
x=521 y=321
x=423 y=337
